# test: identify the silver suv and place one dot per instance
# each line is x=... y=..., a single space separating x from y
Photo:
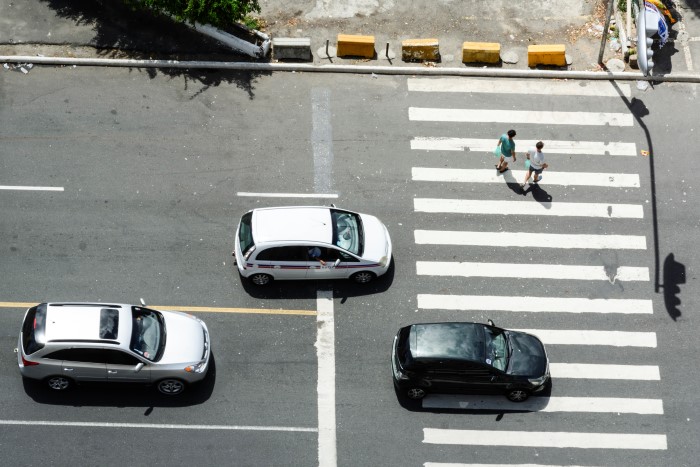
x=68 y=343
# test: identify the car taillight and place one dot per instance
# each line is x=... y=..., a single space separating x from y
x=26 y=362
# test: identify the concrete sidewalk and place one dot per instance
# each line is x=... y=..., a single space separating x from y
x=93 y=28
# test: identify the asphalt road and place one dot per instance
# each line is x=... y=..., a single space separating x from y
x=154 y=167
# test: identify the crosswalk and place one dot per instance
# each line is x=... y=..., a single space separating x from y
x=591 y=317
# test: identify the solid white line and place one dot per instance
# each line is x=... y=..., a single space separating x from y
x=157 y=426
x=516 y=176
x=597 y=148
x=287 y=195
x=537 y=87
x=535 y=304
x=425 y=114
x=581 y=337
x=528 y=208
x=325 y=351
x=31 y=188
x=601 y=371
x=531 y=240
x=550 y=439
x=531 y=271
x=546 y=404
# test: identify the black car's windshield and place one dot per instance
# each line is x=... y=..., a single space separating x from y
x=148 y=334
x=496 y=346
x=347 y=231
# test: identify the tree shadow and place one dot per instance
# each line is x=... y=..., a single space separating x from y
x=124 y=32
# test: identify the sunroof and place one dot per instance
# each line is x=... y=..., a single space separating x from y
x=109 y=323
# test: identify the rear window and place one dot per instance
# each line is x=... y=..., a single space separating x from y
x=33 y=329
x=245 y=234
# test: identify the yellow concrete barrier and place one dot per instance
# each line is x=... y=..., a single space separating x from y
x=355 y=46
x=420 y=49
x=552 y=54
x=481 y=52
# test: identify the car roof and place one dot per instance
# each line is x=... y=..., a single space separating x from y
x=293 y=223
x=460 y=341
x=81 y=322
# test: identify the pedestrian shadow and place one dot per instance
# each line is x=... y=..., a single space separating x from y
x=124 y=32
x=538 y=194
x=674 y=275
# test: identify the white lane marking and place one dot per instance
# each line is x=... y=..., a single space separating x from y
x=31 y=188
x=588 y=337
x=549 y=439
x=597 y=148
x=532 y=271
x=535 y=304
x=286 y=195
x=531 y=240
x=603 y=371
x=528 y=208
x=322 y=139
x=546 y=404
x=537 y=87
x=157 y=426
x=426 y=114
x=516 y=176
x=325 y=351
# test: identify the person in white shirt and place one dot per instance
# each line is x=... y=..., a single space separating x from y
x=537 y=163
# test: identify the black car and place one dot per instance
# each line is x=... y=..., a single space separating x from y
x=468 y=357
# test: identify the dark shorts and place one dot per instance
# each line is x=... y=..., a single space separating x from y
x=536 y=171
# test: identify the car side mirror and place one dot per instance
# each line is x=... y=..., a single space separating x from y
x=336 y=263
x=491 y=322
x=138 y=367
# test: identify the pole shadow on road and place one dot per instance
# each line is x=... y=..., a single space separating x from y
x=122 y=32
x=122 y=395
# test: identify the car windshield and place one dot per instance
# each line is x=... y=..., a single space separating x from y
x=245 y=234
x=347 y=231
x=148 y=334
x=496 y=346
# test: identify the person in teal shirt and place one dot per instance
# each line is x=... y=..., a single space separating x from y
x=507 y=145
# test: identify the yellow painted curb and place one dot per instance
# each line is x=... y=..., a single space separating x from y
x=355 y=46
x=420 y=49
x=481 y=52
x=550 y=54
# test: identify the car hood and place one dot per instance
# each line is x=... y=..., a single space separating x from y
x=377 y=241
x=184 y=342
x=529 y=357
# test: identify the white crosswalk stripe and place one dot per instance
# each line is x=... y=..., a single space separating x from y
x=546 y=404
x=537 y=87
x=588 y=337
x=542 y=117
x=552 y=439
x=531 y=240
x=603 y=371
x=527 y=208
x=534 y=304
x=532 y=271
x=609 y=180
x=594 y=148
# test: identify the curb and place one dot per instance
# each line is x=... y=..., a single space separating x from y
x=358 y=69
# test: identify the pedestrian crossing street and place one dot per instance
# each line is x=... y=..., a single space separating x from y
x=600 y=349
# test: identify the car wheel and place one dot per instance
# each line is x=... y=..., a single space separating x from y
x=171 y=386
x=415 y=393
x=517 y=395
x=363 y=277
x=260 y=279
x=58 y=383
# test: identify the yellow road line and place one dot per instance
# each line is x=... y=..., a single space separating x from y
x=196 y=309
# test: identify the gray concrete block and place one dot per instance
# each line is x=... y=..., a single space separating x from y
x=296 y=48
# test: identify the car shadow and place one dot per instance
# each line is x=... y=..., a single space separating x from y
x=305 y=289
x=122 y=395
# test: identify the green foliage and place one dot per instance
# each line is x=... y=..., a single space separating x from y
x=220 y=13
x=622 y=5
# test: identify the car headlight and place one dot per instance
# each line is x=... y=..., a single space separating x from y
x=198 y=368
x=383 y=261
x=538 y=381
